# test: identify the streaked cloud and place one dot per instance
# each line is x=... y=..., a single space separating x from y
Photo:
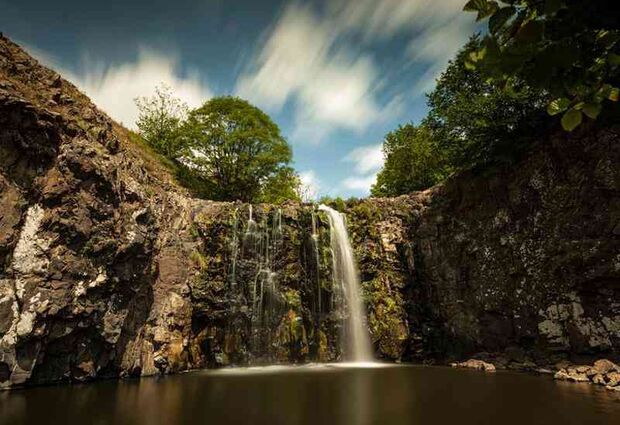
x=360 y=184
x=367 y=161
x=330 y=88
x=308 y=63
x=388 y=17
x=366 y=158
x=114 y=88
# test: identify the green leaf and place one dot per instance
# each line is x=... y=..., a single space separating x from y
x=499 y=18
x=477 y=55
x=475 y=5
x=571 y=119
x=614 y=94
x=557 y=106
x=532 y=31
x=592 y=110
x=490 y=9
x=470 y=66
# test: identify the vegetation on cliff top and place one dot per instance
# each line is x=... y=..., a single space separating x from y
x=227 y=149
x=538 y=58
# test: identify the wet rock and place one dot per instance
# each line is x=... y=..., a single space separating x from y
x=613 y=379
x=604 y=366
x=571 y=375
x=476 y=364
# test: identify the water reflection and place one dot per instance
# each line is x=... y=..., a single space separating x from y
x=318 y=396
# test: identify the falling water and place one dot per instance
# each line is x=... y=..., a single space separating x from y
x=314 y=240
x=260 y=247
x=357 y=341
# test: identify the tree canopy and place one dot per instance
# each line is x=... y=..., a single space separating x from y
x=413 y=161
x=159 y=121
x=476 y=122
x=227 y=149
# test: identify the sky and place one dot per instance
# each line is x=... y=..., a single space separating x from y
x=335 y=75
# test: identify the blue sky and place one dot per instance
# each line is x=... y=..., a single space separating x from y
x=336 y=75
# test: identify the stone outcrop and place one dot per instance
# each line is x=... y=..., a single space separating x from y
x=108 y=268
x=522 y=265
x=476 y=365
x=602 y=372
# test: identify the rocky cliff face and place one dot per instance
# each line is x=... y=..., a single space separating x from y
x=524 y=264
x=108 y=268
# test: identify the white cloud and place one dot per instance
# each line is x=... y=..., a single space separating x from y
x=331 y=89
x=332 y=84
x=295 y=49
x=114 y=88
x=366 y=158
x=367 y=161
x=359 y=183
x=388 y=17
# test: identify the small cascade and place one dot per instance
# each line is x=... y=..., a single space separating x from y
x=356 y=343
x=260 y=247
x=234 y=250
x=314 y=238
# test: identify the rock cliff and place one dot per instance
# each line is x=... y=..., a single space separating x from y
x=108 y=268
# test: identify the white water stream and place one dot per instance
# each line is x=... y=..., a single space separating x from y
x=356 y=344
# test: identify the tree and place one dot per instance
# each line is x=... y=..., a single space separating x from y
x=282 y=186
x=413 y=161
x=237 y=148
x=160 y=120
x=471 y=123
x=476 y=122
x=568 y=48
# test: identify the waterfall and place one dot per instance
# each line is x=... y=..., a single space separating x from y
x=356 y=345
x=261 y=245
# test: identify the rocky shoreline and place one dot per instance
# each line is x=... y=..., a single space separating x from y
x=602 y=372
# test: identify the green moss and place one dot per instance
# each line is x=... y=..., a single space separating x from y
x=199 y=260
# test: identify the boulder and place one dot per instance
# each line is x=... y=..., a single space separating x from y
x=476 y=364
x=570 y=375
x=604 y=366
x=613 y=378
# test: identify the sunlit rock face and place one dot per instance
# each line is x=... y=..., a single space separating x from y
x=109 y=269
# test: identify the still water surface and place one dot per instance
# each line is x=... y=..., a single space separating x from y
x=319 y=395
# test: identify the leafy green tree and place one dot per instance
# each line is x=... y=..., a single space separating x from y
x=160 y=120
x=568 y=48
x=413 y=161
x=283 y=185
x=235 y=147
x=476 y=122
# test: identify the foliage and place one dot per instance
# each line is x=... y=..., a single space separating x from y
x=471 y=123
x=336 y=203
x=475 y=122
x=225 y=150
x=236 y=147
x=159 y=121
x=568 y=48
x=413 y=161
x=281 y=186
